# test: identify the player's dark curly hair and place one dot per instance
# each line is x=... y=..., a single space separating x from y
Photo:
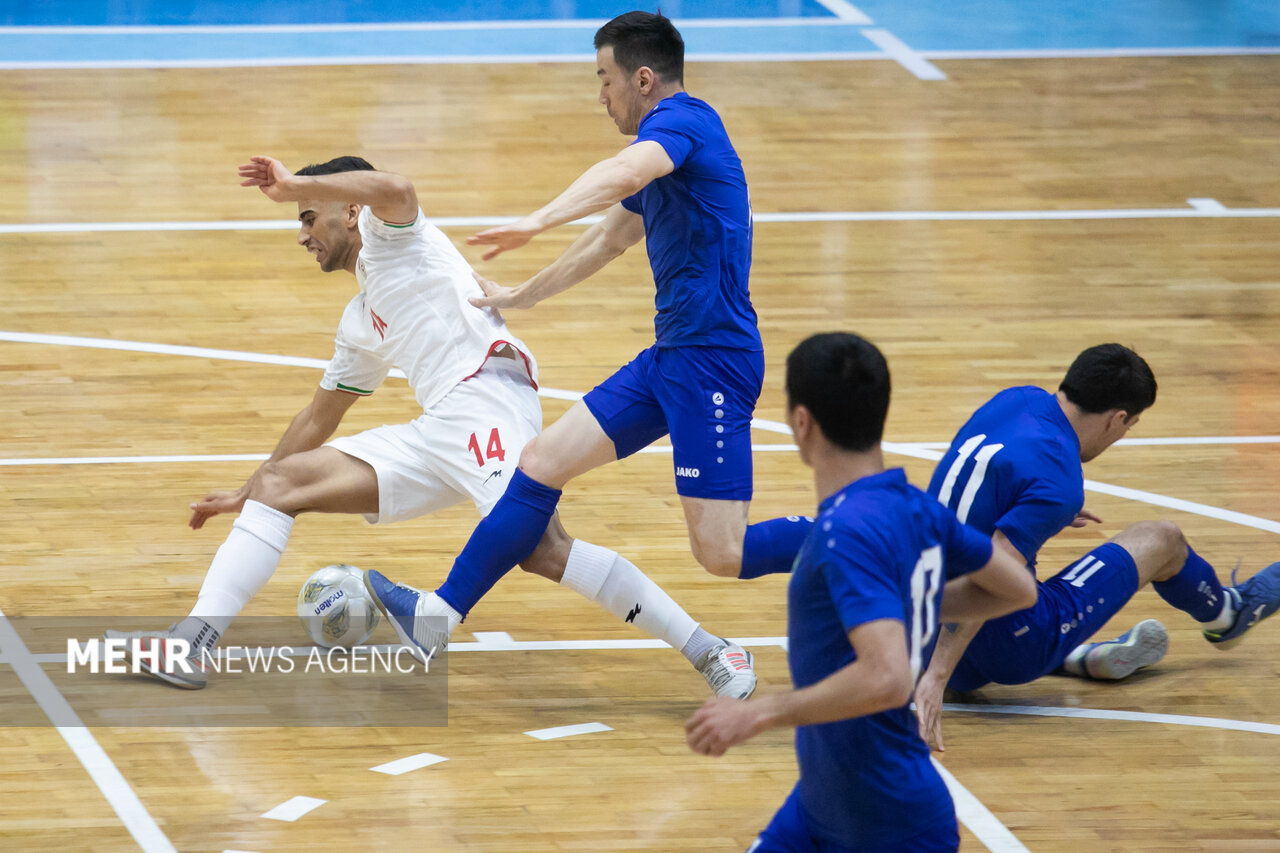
x=1110 y=376
x=347 y=163
x=642 y=39
x=843 y=380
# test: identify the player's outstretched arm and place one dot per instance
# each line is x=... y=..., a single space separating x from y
x=599 y=244
x=391 y=197
x=878 y=680
x=602 y=186
x=309 y=429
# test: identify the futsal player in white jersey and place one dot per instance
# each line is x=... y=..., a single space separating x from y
x=477 y=385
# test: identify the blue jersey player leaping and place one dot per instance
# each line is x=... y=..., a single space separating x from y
x=680 y=186
x=883 y=561
x=1014 y=472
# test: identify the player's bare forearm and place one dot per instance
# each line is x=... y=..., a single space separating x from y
x=585 y=256
x=391 y=197
x=604 y=185
x=953 y=639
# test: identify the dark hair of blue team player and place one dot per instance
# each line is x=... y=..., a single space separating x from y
x=643 y=39
x=336 y=165
x=1110 y=376
x=843 y=380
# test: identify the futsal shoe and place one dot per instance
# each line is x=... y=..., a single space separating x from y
x=1142 y=645
x=727 y=669
x=420 y=618
x=151 y=652
x=1256 y=599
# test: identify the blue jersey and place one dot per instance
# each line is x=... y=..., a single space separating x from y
x=1014 y=467
x=697 y=226
x=880 y=549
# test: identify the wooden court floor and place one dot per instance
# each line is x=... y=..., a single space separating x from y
x=961 y=308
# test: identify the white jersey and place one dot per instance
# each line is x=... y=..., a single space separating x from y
x=412 y=313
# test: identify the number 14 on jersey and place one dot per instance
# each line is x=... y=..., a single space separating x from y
x=492 y=450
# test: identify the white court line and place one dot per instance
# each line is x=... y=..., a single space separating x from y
x=1207 y=204
x=1183 y=506
x=403 y=765
x=1125 y=716
x=1203 y=211
x=919 y=449
x=979 y=820
x=846 y=11
x=292 y=809
x=493 y=638
x=132 y=813
x=898 y=51
x=915 y=450
x=568 y=731
x=260 y=652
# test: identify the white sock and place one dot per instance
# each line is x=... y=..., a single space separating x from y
x=1226 y=616
x=1074 y=663
x=244 y=562
x=615 y=583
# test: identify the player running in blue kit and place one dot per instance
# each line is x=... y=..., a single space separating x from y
x=883 y=562
x=680 y=186
x=1013 y=471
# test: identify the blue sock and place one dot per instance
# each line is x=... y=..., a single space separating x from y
x=770 y=547
x=1195 y=589
x=504 y=537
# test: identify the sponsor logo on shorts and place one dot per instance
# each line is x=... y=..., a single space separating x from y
x=692 y=473
x=717 y=398
x=497 y=474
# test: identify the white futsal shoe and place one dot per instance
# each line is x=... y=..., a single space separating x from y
x=727 y=669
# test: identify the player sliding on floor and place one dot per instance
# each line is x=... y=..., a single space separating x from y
x=476 y=383
x=1014 y=472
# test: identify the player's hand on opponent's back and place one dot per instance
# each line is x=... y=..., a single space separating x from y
x=216 y=503
x=929 y=692
x=497 y=296
x=723 y=722
x=268 y=175
x=503 y=238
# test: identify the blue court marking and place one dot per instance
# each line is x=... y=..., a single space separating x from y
x=570 y=41
x=953 y=25
x=187 y=12
x=151 y=33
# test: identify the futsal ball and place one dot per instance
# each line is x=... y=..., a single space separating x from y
x=335 y=608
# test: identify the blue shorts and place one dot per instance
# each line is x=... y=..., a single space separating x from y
x=789 y=832
x=1072 y=606
x=703 y=397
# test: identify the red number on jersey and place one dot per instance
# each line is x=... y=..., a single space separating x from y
x=492 y=451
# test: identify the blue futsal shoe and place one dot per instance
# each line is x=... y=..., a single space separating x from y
x=420 y=618
x=1256 y=599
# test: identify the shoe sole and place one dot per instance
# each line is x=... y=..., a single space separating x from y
x=168 y=678
x=1147 y=644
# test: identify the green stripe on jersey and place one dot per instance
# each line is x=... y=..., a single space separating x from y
x=342 y=387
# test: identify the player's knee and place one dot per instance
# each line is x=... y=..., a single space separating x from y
x=1158 y=547
x=717 y=559
x=274 y=487
x=535 y=464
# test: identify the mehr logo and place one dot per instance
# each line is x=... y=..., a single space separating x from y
x=133 y=654
x=122 y=655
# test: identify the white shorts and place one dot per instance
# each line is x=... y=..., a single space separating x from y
x=465 y=446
